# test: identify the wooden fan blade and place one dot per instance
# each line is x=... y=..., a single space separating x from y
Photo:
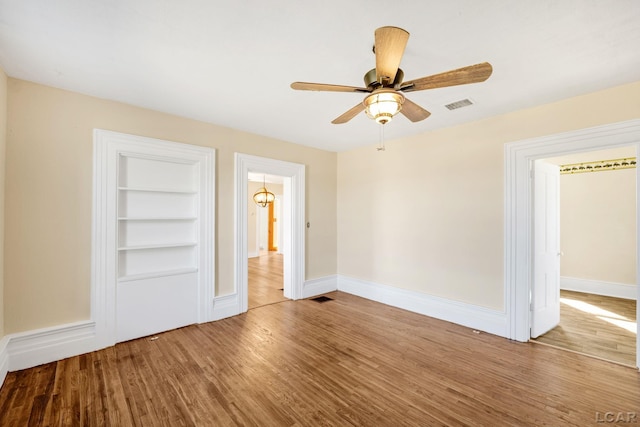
x=349 y=114
x=462 y=76
x=413 y=111
x=389 y=48
x=327 y=87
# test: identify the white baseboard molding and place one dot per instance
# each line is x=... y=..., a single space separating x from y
x=609 y=289
x=225 y=306
x=28 y=349
x=322 y=285
x=253 y=254
x=33 y=348
x=471 y=316
x=4 y=359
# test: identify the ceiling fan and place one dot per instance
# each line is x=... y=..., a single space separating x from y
x=385 y=84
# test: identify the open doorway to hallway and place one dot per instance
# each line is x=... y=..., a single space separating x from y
x=264 y=242
x=597 y=254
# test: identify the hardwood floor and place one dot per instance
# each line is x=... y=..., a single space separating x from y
x=596 y=325
x=265 y=279
x=348 y=361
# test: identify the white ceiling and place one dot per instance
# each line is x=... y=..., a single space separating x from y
x=231 y=63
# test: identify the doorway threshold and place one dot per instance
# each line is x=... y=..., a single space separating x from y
x=626 y=365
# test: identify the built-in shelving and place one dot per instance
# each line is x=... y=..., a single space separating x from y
x=153 y=246
x=157 y=204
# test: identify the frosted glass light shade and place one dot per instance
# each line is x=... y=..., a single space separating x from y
x=383 y=105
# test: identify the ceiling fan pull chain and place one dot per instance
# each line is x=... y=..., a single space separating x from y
x=381 y=148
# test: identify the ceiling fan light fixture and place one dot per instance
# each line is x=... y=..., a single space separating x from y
x=383 y=104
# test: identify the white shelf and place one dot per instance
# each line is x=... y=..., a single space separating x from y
x=173 y=218
x=156 y=274
x=157 y=190
x=157 y=246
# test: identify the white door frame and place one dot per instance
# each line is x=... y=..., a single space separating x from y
x=518 y=215
x=108 y=146
x=293 y=219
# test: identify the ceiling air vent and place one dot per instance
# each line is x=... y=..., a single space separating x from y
x=459 y=104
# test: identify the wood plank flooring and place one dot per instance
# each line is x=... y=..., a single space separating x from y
x=348 y=361
x=595 y=325
x=265 y=279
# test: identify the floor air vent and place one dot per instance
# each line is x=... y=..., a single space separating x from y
x=321 y=299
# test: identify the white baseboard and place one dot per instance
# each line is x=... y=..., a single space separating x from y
x=225 y=306
x=476 y=317
x=322 y=285
x=28 y=349
x=253 y=254
x=33 y=348
x=609 y=289
x=4 y=358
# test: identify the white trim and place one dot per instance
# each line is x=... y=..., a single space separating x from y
x=253 y=254
x=292 y=228
x=471 y=316
x=518 y=202
x=108 y=146
x=225 y=306
x=319 y=286
x=4 y=358
x=33 y=348
x=597 y=287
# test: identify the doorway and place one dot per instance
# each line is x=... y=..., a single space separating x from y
x=519 y=156
x=292 y=243
x=595 y=251
x=265 y=268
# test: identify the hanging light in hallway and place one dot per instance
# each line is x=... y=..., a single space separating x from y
x=263 y=197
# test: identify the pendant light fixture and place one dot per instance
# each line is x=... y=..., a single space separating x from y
x=263 y=197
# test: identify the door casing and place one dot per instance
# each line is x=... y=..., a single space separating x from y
x=519 y=156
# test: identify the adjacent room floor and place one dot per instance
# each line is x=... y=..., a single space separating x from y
x=596 y=325
x=265 y=279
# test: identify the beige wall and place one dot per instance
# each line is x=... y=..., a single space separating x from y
x=252 y=212
x=3 y=145
x=49 y=191
x=598 y=226
x=428 y=213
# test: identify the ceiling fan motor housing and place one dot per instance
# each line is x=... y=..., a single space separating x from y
x=371 y=82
